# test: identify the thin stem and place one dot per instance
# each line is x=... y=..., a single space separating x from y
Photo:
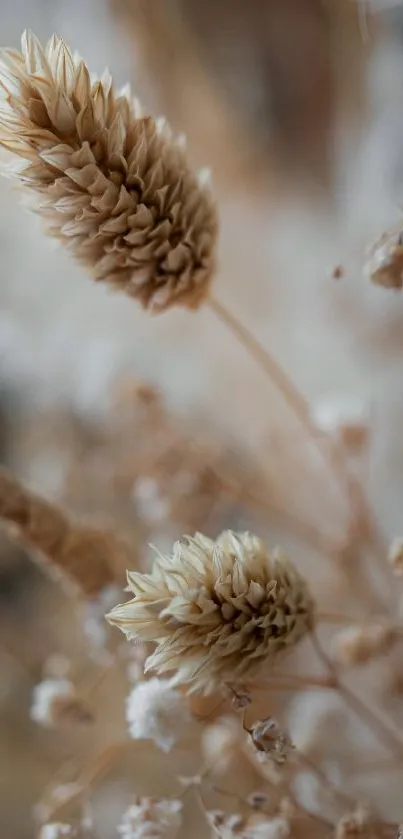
x=290 y=682
x=373 y=717
x=324 y=780
x=266 y=362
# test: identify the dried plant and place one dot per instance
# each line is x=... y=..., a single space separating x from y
x=91 y=558
x=113 y=185
x=217 y=614
x=217 y=610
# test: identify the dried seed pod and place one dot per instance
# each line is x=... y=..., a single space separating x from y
x=385 y=262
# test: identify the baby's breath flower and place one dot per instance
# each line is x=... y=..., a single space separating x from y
x=217 y=610
x=151 y=818
x=111 y=183
x=155 y=711
x=55 y=702
x=56 y=830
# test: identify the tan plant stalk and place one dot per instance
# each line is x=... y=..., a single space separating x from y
x=376 y=720
x=91 y=557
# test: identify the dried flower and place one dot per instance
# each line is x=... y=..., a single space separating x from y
x=91 y=557
x=113 y=185
x=360 y=644
x=151 y=818
x=271 y=740
x=385 y=261
x=269 y=828
x=155 y=711
x=217 y=610
x=221 y=742
x=395 y=556
x=56 y=830
x=55 y=702
x=258 y=827
x=257 y=800
x=356 y=825
x=346 y=417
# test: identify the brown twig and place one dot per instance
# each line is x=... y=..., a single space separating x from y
x=92 y=558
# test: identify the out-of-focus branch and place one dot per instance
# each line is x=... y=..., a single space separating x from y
x=91 y=557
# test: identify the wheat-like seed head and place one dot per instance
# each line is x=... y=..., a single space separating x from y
x=112 y=184
x=217 y=610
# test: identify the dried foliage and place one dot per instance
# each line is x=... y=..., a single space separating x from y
x=92 y=558
x=217 y=614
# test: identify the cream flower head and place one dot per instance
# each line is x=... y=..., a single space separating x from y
x=112 y=184
x=216 y=610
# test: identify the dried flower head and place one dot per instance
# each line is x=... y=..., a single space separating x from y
x=344 y=416
x=237 y=827
x=151 y=818
x=55 y=702
x=217 y=610
x=395 y=556
x=357 y=825
x=385 y=262
x=113 y=185
x=271 y=741
x=357 y=645
x=155 y=711
x=56 y=830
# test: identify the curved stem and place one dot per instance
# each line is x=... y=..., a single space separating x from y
x=266 y=362
x=376 y=721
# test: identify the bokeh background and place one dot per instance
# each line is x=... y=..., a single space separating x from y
x=297 y=108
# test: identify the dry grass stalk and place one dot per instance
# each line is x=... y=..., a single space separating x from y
x=91 y=557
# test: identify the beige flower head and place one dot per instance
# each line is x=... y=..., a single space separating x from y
x=385 y=261
x=216 y=610
x=112 y=184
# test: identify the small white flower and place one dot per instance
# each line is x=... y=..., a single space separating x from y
x=277 y=828
x=56 y=830
x=345 y=416
x=46 y=697
x=155 y=711
x=56 y=702
x=151 y=505
x=151 y=818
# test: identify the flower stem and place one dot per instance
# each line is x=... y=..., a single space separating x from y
x=266 y=362
x=373 y=717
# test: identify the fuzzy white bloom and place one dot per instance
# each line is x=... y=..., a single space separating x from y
x=155 y=711
x=55 y=830
x=46 y=697
x=151 y=818
x=55 y=702
x=237 y=827
x=345 y=416
x=151 y=505
x=277 y=828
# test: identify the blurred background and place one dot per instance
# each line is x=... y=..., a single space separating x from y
x=297 y=108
